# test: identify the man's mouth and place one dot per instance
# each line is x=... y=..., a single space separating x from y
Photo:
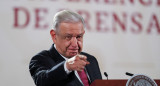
x=73 y=50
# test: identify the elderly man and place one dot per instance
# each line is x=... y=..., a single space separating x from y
x=64 y=64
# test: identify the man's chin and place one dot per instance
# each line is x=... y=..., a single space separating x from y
x=72 y=54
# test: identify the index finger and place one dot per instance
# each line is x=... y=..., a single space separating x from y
x=82 y=57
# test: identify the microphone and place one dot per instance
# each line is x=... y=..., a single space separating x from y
x=105 y=73
x=129 y=74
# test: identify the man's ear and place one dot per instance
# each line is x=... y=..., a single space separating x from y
x=53 y=35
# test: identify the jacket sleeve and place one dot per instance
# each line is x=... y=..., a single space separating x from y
x=46 y=72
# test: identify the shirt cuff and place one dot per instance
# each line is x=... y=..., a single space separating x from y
x=65 y=68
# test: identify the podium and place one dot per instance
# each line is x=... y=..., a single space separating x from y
x=115 y=82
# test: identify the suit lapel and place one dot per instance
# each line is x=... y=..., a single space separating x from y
x=89 y=74
x=55 y=55
x=77 y=82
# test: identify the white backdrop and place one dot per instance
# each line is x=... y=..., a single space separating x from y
x=124 y=35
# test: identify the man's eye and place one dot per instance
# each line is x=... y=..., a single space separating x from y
x=79 y=37
x=68 y=37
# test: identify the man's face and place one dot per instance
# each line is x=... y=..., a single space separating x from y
x=69 y=39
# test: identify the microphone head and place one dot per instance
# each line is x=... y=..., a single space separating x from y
x=129 y=74
x=105 y=74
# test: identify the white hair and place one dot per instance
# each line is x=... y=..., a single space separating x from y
x=66 y=16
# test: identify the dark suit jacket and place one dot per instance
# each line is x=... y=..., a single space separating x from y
x=47 y=69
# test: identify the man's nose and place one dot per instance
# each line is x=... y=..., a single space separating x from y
x=74 y=42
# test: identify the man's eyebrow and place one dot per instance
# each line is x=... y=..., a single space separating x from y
x=68 y=34
x=71 y=34
x=81 y=33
